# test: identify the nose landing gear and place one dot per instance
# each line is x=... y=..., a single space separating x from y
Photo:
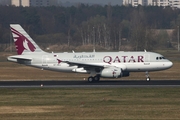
x=147 y=76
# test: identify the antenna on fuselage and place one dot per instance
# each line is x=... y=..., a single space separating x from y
x=145 y=50
x=73 y=51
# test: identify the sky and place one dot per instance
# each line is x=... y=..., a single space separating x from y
x=113 y=2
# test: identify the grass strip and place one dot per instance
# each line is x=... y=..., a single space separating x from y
x=89 y=103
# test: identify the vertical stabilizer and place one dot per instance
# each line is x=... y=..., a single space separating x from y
x=23 y=42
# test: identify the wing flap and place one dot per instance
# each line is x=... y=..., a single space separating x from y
x=86 y=65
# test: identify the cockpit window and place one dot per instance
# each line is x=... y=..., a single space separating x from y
x=160 y=58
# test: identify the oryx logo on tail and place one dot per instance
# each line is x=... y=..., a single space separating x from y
x=21 y=42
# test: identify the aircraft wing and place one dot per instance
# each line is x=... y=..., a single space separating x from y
x=92 y=65
x=87 y=65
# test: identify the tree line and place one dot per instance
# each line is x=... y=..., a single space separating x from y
x=111 y=27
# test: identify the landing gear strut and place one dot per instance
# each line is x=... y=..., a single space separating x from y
x=147 y=76
x=94 y=79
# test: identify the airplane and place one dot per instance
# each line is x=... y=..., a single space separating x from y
x=97 y=64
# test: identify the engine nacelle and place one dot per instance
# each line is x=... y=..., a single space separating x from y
x=113 y=72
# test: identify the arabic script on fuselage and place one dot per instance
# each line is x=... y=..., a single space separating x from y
x=84 y=56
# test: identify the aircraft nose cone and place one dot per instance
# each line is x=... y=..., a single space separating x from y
x=169 y=64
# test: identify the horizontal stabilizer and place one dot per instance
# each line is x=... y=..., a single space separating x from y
x=16 y=58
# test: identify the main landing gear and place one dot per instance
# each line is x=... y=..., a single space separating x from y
x=94 y=79
x=147 y=76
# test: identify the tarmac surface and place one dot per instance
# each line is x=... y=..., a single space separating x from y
x=86 y=84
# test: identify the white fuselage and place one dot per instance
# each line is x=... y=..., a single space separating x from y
x=127 y=61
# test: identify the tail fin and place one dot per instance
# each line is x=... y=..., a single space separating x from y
x=23 y=42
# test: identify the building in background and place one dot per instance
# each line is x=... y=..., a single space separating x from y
x=24 y=3
x=174 y=3
x=34 y=3
x=66 y=3
x=135 y=3
x=5 y=2
x=43 y=3
x=164 y=3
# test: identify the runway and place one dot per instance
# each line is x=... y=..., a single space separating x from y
x=86 y=84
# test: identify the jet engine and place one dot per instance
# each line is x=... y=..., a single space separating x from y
x=113 y=72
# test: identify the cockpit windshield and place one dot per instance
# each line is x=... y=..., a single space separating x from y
x=160 y=58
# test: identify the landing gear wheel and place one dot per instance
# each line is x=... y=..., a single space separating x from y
x=96 y=78
x=148 y=79
x=90 y=79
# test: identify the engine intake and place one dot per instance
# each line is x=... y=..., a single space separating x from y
x=113 y=72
